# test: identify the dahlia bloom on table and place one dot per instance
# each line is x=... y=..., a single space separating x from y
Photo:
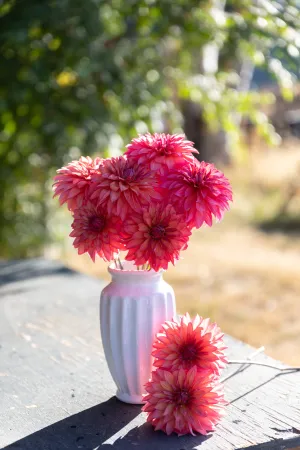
x=183 y=401
x=184 y=394
x=146 y=202
x=185 y=343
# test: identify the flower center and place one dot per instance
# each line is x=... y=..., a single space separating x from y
x=163 y=150
x=96 y=223
x=157 y=231
x=189 y=352
x=199 y=181
x=181 y=397
x=128 y=174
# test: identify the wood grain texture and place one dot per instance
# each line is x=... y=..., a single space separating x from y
x=56 y=392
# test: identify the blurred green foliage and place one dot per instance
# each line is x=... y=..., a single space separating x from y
x=79 y=77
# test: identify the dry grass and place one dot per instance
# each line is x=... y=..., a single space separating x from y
x=246 y=280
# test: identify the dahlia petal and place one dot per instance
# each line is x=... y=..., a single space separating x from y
x=165 y=386
x=159 y=425
x=171 y=357
x=181 y=377
x=169 y=428
x=169 y=377
x=169 y=409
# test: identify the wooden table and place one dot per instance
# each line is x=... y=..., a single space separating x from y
x=56 y=392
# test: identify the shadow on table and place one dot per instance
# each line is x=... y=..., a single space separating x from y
x=111 y=424
x=145 y=438
x=12 y=271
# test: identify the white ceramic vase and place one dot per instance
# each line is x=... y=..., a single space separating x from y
x=133 y=307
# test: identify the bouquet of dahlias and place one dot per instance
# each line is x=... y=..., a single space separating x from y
x=145 y=203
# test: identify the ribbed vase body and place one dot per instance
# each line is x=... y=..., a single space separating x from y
x=132 y=309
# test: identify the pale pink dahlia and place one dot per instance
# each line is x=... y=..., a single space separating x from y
x=155 y=236
x=200 y=191
x=185 y=343
x=183 y=401
x=73 y=181
x=161 y=150
x=95 y=232
x=124 y=186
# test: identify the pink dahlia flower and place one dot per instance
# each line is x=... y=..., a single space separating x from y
x=186 y=343
x=73 y=181
x=124 y=186
x=155 y=236
x=183 y=402
x=95 y=232
x=161 y=150
x=200 y=191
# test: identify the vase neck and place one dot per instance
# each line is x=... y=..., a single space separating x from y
x=130 y=275
x=129 y=279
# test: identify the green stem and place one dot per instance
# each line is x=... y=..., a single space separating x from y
x=121 y=267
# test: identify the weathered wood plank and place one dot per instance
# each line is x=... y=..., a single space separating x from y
x=56 y=392
x=278 y=444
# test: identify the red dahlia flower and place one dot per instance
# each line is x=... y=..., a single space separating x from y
x=73 y=181
x=155 y=236
x=123 y=186
x=95 y=232
x=161 y=150
x=200 y=191
x=186 y=343
x=183 y=402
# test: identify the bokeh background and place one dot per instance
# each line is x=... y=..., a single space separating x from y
x=84 y=77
